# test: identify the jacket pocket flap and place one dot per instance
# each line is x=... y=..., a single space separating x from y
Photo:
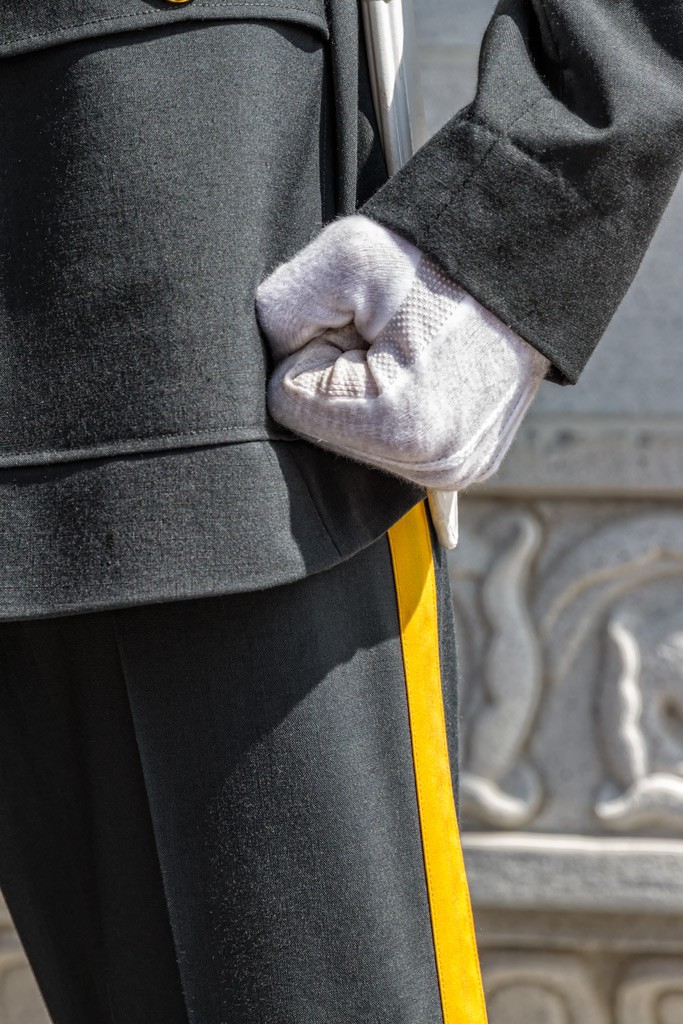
x=29 y=26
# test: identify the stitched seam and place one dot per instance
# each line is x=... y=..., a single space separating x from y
x=116 y=631
x=477 y=167
x=529 y=153
x=181 y=433
x=437 y=656
x=150 y=439
x=463 y=184
x=314 y=503
x=136 y=17
x=325 y=108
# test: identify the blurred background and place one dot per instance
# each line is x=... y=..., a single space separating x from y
x=568 y=591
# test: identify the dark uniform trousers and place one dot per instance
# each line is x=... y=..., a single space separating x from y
x=216 y=812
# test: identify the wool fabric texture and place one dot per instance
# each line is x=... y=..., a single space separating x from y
x=384 y=359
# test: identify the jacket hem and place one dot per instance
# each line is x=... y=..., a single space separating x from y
x=139 y=445
x=187 y=523
x=195 y=12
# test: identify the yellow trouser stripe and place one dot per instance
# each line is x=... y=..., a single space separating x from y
x=457 y=963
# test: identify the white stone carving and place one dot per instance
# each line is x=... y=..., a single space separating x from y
x=498 y=785
x=543 y=988
x=652 y=993
x=641 y=707
x=594 y=575
x=642 y=716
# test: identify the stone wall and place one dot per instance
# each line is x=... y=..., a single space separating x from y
x=568 y=587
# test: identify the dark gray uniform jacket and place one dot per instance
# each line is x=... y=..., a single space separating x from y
x=158 y=160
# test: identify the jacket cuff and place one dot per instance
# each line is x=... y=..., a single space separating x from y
x=515 y=235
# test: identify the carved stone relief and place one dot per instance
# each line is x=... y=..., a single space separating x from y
x=652 y=993
x=585 y=638
x=530 y=987
x=522 y=988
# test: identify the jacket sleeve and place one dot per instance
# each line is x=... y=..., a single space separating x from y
x=541 y=197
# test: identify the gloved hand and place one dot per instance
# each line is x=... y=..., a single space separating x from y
x=384 y=359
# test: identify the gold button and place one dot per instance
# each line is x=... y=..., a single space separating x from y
x=178 y=1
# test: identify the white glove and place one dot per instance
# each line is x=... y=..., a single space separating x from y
x=384 y=359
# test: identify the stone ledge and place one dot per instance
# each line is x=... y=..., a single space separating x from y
x=574 y=873
x=579 y=456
